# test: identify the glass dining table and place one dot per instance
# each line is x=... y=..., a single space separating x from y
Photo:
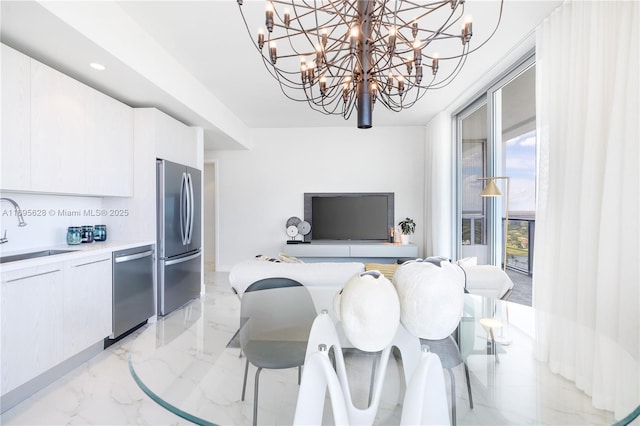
x=191 y=363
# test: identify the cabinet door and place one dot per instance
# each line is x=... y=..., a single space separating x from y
x=87 y=303
x=15 y=138
x=32 y=329
x=58 y=110
x=109 y=137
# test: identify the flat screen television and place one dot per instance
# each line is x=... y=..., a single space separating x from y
x=349 y=216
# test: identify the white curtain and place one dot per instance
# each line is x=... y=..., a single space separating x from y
x=439 y=217
x=586 y=271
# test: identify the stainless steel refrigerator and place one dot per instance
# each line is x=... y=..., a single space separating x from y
x=179 y=234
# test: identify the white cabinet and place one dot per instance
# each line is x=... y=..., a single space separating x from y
x=15 y=139
x=52 y=312
x=356 y=250
x=58 y=149
x=174 y=140
x=108 y=164
x=32 y=323
x=61 y=136
x=87 y=303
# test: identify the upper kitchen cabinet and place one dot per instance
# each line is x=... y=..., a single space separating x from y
x=81 y=139
x=109 y=126
x=15 y=149
x=60 y=136
x=174 y=140
x=58 y=148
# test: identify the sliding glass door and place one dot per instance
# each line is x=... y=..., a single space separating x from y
x=496 y=138
x=472 y=129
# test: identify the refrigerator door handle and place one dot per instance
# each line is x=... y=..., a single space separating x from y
x=183 y=206
x=181 y=260
x=191 y=207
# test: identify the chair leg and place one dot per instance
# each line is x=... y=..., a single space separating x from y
x=373 y=378
x=466 y=373
x=299 y=375
x=453 y=397
x=244 y=382
x=255 y=398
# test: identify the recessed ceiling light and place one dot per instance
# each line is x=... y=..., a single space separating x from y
x=97 y=66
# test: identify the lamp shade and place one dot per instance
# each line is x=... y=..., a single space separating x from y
x=491 y=190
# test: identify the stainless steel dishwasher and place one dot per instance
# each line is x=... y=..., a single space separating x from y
x=133 y=296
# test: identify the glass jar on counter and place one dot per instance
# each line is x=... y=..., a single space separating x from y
x=87 y=234
x=74 y=235
x=100 y=232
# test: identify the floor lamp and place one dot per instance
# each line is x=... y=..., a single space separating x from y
x=491 y=190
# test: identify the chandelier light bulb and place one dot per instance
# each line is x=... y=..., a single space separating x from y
x=260 y=37
x=269 y=16
x=287 y=18
x=419 y=75
x=467 y=30
x=392 y=39
x=409 y=63
x=272 y=52
x=303 y=69
x=354 y=39
x=417 y=52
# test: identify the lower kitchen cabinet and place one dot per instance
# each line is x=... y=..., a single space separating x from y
x=87 y=303
x=32 y=323
x=51 y=313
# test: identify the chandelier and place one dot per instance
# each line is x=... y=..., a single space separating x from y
x=338 y=55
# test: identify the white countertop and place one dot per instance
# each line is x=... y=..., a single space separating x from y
x=78 y=251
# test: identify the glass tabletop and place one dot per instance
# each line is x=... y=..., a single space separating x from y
x=190 y=362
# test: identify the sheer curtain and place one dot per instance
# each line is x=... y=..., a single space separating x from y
x=438 y=187
x=587 y=260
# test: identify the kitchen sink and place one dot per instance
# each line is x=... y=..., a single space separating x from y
x=32 y=255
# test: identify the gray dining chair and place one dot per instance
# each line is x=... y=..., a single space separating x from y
x=276 y=318
x=450 y=357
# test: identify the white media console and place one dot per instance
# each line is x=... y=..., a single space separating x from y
x=351 y=251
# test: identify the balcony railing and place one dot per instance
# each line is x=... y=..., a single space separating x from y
x=520 y=239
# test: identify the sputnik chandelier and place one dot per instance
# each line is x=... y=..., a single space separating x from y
x=338 y=55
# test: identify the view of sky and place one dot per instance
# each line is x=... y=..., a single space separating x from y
x=521 y=168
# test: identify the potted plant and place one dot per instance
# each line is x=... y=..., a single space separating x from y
x=408 y=227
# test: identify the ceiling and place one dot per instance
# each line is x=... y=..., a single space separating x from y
x=195 y=61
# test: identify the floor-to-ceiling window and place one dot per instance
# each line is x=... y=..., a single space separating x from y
x=518 y=133
x=496 y=137
x=472 y=128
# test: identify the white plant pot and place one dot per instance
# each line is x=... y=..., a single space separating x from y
x=404 y=238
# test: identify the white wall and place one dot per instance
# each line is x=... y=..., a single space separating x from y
x=259 y=189
x=208 y=220
x=47 y=218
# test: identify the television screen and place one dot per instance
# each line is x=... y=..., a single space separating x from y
x=351 y=216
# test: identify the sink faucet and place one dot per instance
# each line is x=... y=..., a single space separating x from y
x=21 y=221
